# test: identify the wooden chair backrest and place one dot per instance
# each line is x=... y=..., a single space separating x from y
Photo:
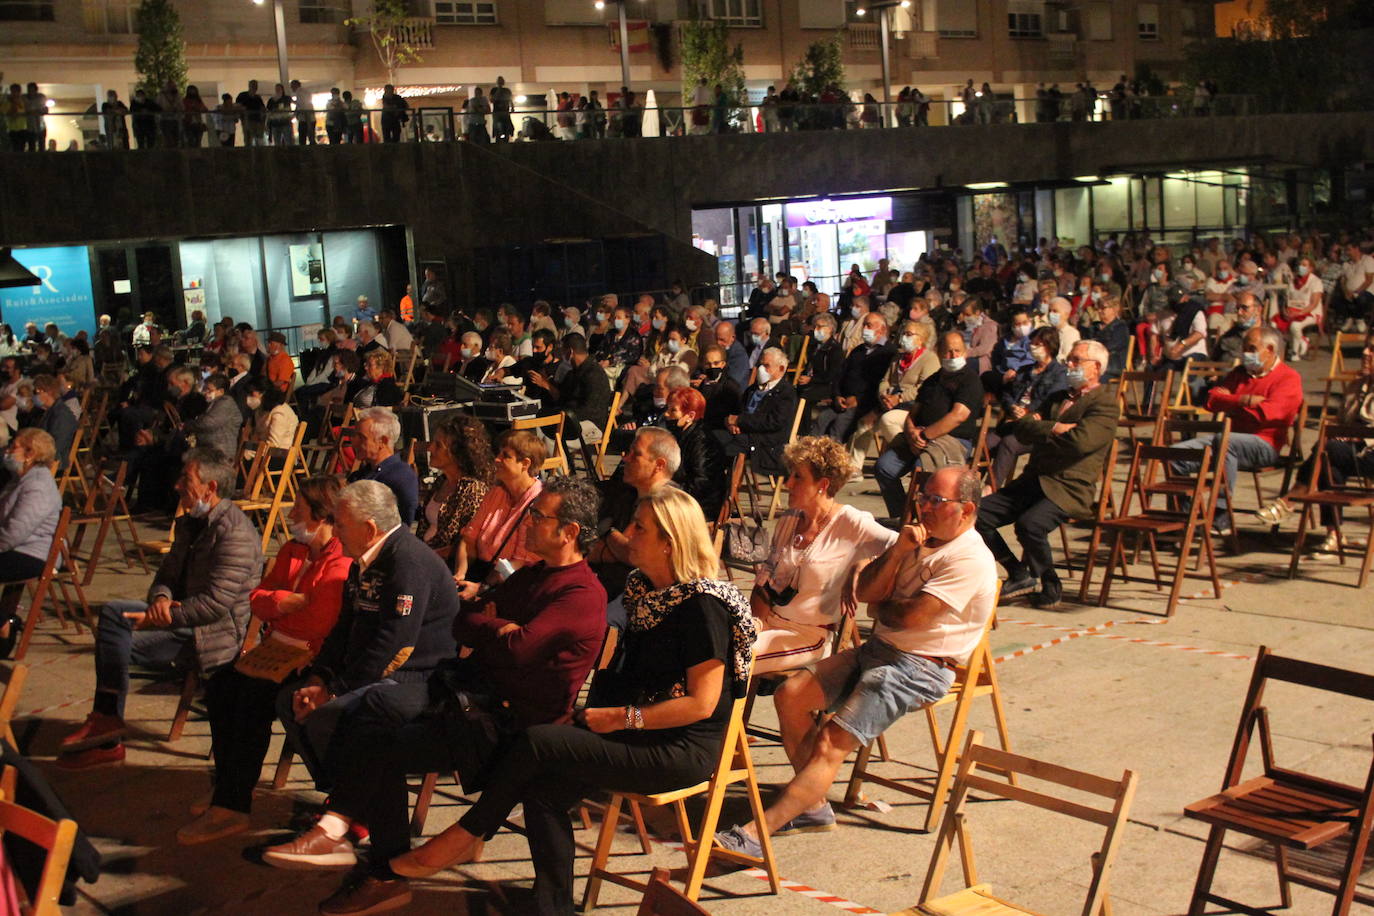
x=9 y=701
x=800 y=361
x=56 y=837
x=662 y=899
x=980 y=459
x=552 y=426
x=1340 y=342
x=1118 y=794
x=1271 y=667
x=1359 y=481
x=1147 y=464
x=606 y=430
x=1144 y=393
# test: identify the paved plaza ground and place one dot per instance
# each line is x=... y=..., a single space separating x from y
x=1102 y=689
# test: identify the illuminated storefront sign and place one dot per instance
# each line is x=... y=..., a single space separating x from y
x=826 y=212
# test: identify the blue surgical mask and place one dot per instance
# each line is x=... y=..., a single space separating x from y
x=467 y=352
x=1252 y=362
x=1246 y=323
x=1076 y=377
x=1054 y=319
x=856 y=312
x=760 y=339
x=620 y=324
x=1303 y=270
x=659 y=324
x=674 y=346
x=1242 y=280
x=820 y=334
x=1105 y=278
x=200 y=509
x=869 y=335
x=1156 y=275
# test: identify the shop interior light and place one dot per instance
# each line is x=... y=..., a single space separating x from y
x=861 y=12
x=1089 y=178
x=985 y=185
x=600 y=4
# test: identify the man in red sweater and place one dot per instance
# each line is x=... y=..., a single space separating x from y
x=1262 y=397
x=534 y=638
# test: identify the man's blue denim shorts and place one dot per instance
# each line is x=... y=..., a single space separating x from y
x=873 y=686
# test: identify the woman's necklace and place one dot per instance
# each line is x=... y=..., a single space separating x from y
x=801 y=539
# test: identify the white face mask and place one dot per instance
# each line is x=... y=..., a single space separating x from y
x=760 y=339
x=200 y=509
x=856 y=312
x=820 y=334
x=869 y=335
x=1038 y=354
x=908 y=343
x=660 y=403
x=1023 y=330
x=955 y=364
x=692 y=325
x=763 y=378
x=302 y=533
x=254 y=402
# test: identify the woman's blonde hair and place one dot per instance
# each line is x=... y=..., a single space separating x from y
x=680 y=519
x=39 y=443
x=383 y=360
x=827 y=459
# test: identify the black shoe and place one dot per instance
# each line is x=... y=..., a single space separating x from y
x=1014 y=588
x=9 y=640
x=1049 y=596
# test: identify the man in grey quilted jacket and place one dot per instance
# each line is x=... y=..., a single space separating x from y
x=196 y=613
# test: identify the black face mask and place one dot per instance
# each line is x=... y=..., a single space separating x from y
x=713 y=372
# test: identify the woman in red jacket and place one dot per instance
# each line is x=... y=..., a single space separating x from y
x=297 y=603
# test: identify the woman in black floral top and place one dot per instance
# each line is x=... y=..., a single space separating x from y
x=461 y=452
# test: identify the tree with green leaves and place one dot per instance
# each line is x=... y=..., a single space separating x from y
x=391 y=35
x=707 y=54
x=161 y=54
x=821 y=66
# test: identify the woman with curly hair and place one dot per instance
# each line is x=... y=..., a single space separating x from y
x=461 y=452
x=801 y=590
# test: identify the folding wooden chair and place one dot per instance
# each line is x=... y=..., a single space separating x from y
x=980 y=459
x=733 y=766
x=1289 y=809
x=1142 y=396
x=977 y=899
x=1106 y=503
x=729 y=508
x=190 y=686
x=1340 y=373
x=1177 y=427
x=1335 y=498
x=272 y=509
x=799 y=363
x=9 y=702
x=550 y=426
x=40 y=589
x=1289 y=460
x=607 y=428
x=1212 y=371
x=976 y=678
x=662 y=899
x=1152 y=524
x=107 y=508
x=54 y=837
x=71 y=477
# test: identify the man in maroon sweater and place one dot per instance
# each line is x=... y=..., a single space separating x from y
x=534 y=638
x=1262 y=396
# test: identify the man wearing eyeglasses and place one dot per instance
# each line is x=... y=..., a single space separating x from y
x=1068 y=439
x=930 y=595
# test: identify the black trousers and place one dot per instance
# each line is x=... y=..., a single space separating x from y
x=1022 y=502
x=551 y=767
x=242 y=710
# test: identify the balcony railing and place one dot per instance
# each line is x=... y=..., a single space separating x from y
x=417 y=31
x=863 y=36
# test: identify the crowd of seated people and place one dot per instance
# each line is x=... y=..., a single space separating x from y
x=446 y=603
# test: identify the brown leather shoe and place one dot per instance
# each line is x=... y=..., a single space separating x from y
x=359 y=897
x=97 y=729
x=312 y=849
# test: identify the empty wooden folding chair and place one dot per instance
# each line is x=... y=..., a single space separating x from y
x=662 y=899
x=977 y=899
x=607 y=428
x=734 y=766
x=1142 y=397
x=1291 y=810
x=973 y=679
x=1180 y=427
x=1152 y=524
x=107 y=509
x=1357 y=493
x=552 y=428
x=71 y=479
x=271 y=488
x=1342 y=371
x=55 y=838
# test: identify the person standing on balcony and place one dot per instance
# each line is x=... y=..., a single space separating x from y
x=305 y=115
x=279 y=117
x=335 y=117
x=254 y=114
x=169 y=121
x=501 y=104
x=395 y=114
x=116 y=128
x=145 y=120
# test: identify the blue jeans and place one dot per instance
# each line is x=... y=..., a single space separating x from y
x=118 y=645
x=312 y=738
x=897 y=461
x=1246 y=452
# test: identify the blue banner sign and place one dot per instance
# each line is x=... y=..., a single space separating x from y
x=63 y=295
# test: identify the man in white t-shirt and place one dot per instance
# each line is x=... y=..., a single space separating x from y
x=1358 y=280
x=930 y=594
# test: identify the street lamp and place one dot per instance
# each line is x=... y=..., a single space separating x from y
x=624 y=40
x=279 y=14
x=882 y=6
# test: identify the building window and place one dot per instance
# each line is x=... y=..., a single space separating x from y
x=324 y=11
x=956 y=19
x=109 y=17
x=1148 y=21
x=737 y=13
x=26 y=10
x=458 y=12
x=1025 y=25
